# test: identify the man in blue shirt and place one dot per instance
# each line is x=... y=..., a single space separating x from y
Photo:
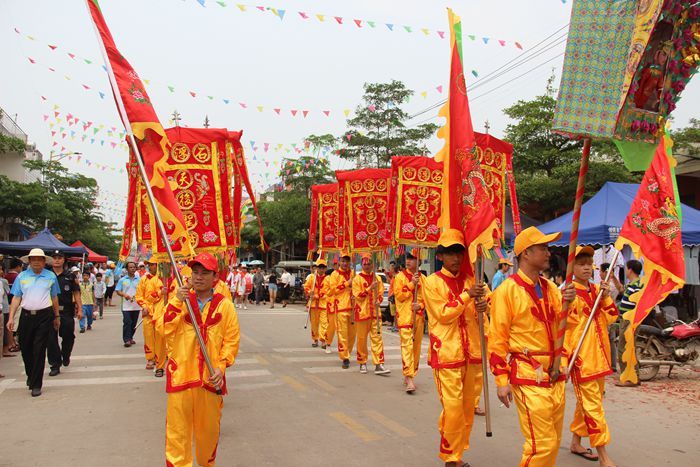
x=36 y=292
x=503 y=266
x=126 y=289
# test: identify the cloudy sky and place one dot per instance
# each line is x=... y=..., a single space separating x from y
x=279 y=69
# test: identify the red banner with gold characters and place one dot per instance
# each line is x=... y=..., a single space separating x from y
x=364 y=204
x=493 y=155
x=414 y=200
x=328 y=209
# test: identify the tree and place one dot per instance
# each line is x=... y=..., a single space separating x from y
x=687 y=140
x=546 y=164
x=66 y=200
x=11 y=144
x=299 y=175
x=378 y=130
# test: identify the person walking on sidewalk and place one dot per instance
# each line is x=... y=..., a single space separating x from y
x=87 y=297
x=71 y=306
x=100 y=289
x=36 y=292
x=126 y=289
x=110 y=282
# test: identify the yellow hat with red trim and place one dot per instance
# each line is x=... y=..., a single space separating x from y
x=505 y=261
x=451 y=237
x=585 y=250
x=533 y=236
x=321 y=262
x=345 y=253
x=366 y=258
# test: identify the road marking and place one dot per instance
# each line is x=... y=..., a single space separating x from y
x=250 y=340
x=134 y=367
x=339 y=369
x=106 y=357
x=261 y=360
x=5 y=384
x=390 y=424
x=268 y=313
x=254 y=386
x=356 y=427
x=326 y=359
x=294 y=383
x=321 y=383
x=319 y=350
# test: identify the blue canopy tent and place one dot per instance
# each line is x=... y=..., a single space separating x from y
x=602 y=217
x=44 y=240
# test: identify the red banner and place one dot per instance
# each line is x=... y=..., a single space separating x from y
x=493 y=157
x=327 y=217
x=517 y=226
x=364 y=205
x=414 y=200
x=130 y=218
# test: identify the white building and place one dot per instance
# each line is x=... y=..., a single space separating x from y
x=11 y=162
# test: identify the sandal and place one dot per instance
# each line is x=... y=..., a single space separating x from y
x=9 y=355
x=587 y=454
x=14 y=348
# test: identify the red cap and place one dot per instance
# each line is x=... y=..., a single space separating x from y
x=207 y=260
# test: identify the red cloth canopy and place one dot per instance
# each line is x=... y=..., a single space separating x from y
x=92 y=257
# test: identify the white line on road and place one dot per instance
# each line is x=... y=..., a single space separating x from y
x=138 y=367
x=5 y=384
x=338 y=369
x=326 y=359
x=318 y=349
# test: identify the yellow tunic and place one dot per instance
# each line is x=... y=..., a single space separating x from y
x=594 y=357
x=366 y=306
x=149 y=325
x=320 y=290
x=339 y=294
x=218 y=323
x=340 y=305
x=404 y=297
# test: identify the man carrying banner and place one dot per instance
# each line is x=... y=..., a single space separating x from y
x=593 y=360
x=148 y=325
x=340 y=299
x=410 y=318
x=525 y=312
x=452 y=300
x=194 y=407
x=368 y=291
x=316 y=288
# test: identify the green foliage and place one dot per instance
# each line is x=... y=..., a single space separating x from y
x=285 y=219
x=299 y=175
x=546 y=164
x=687 y=140
x=11 y=144
x=66 y=200
x=378 y=131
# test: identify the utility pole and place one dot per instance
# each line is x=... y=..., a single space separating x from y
x=176 y=117
x=206 y=121
x=487 y=126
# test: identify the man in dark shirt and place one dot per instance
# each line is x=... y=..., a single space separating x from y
x=70 y=306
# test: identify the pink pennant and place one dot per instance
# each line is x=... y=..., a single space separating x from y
x=439 y=89
x=358 y=22
x=69 y=117
x=63 y=136
x=114 y=145
x=339 y=19
x=294 y=112
x=76 y=119
x=261 y=8
x=53 y=133
x=52 y=47
x=52 y=69
x=327 y=112
x=46 y=117
x=55 y=143
x=86 y=86
x=441 y=34
x=277 y=111
x=71 y=55
x=43 y=98
x=31 y=59
x=372 y=108
x=503 y=43
x=193 y=94
x=303 y=15
x=243 y=105
x=56 y=114
x=266 y=146
x=305 y=112
x=349 y=137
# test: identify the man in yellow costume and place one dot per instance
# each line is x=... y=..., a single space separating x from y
x=368 y=291
x=316 y=289
x=452 y=300
x=593 y=361
x=525 y=312
x=148 y=323
x=155 y=304
x=340 y=299
x=194 y=407
x=410 y=316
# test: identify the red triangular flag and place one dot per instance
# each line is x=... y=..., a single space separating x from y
x=339 y=19
x=193 y=94
x=294 y=112
x=358 y=22
x=52 y=47
x=305 y=112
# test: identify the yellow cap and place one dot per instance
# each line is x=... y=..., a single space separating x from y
x=366 y=258
x=345 y=252
x=451 y=237
x=585 y=250
x=533 y=236
x=321 y=262
x=505 y=261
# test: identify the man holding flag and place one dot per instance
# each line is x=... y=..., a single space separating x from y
x=316 y=290
x=652 y=230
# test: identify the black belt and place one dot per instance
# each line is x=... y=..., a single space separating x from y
x=36 y=312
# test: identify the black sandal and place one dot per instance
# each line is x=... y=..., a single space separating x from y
x=587 y=454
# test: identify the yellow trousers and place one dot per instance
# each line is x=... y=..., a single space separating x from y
x=161 y=354
x=478 y=383
x=455 y=387
x=314 y=317
x=322 y=324
x=541 y=414
x=589 y=417
x=149 y=336
x=331 y=326
x=346 y=335
x=411 y=339
x=197 y=412
x=364 y=329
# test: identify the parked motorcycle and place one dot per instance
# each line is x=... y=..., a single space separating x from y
x=676 y=345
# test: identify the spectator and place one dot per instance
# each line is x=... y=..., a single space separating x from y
x=126 y=289
x=110 y=283
x=616 y=286
x=100 y=289
x=244 y=285
x=272 y=288
x=633 y=270
x=87 y=297
x=286 y=282
x=141 y=270
x=503 y=267
x=69 y=301
x=5 y=305
x=259 y=285
x=11 y=275
x=35 y=291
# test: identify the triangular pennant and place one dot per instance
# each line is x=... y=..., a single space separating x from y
x=390 y=26
x=408 y=28
x=277 y=111
x=517 y=44
x=485 y=39
x=441 y=34
x=294 y=113
x=339 y=19
x=193 y=94
x=305 y=112
x=52 y=47
x=358 y=22
x=346 y=112
x=303 y=15
x=260 y=108
x=241 y=7
x=320 y=17
x=71 y=55
x=226 y=101
x=281 y=13
x=171 y=88
x=243 y=105
x=327 y=113
x=371 y=24
x=425 y=31
x=439 y=89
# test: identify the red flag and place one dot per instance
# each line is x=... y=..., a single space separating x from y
x=140 y=116
x=652 y=229
x=465 y=201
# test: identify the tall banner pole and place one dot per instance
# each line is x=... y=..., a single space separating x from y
x=479 y=271
x=554 y=372
x=149 y=192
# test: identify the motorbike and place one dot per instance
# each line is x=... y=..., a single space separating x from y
x=678 y=344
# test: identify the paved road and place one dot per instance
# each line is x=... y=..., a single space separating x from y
x=292 y=405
